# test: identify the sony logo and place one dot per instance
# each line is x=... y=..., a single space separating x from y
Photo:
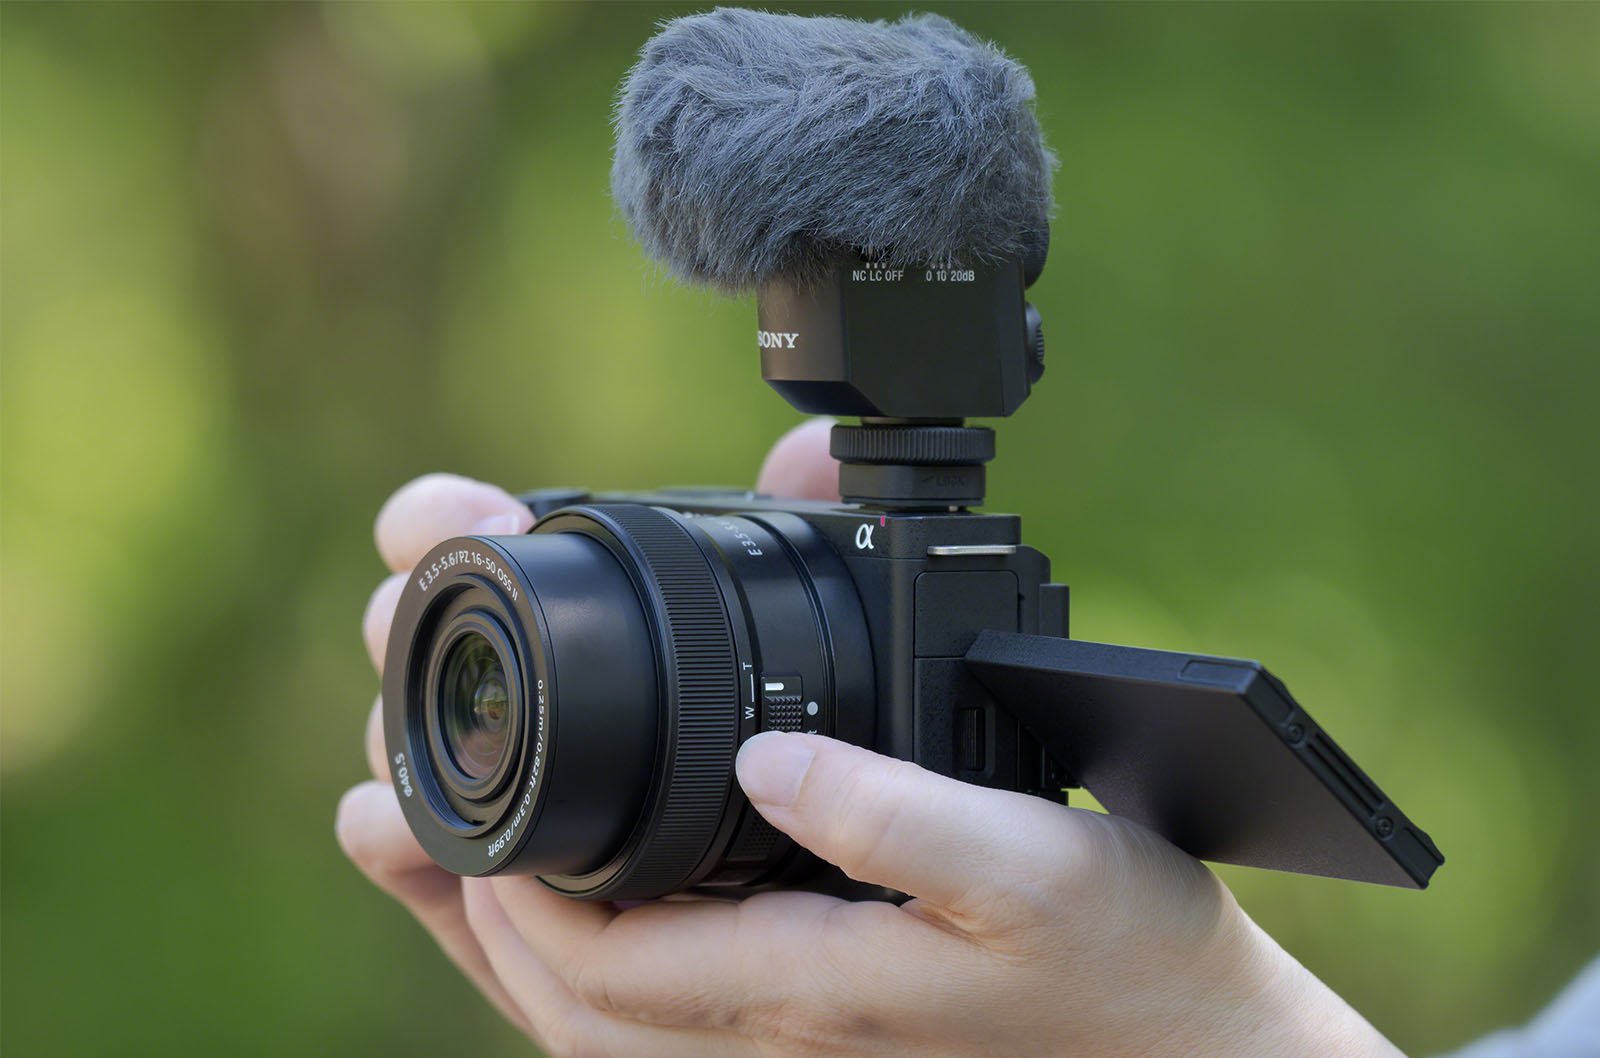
x=776 y=339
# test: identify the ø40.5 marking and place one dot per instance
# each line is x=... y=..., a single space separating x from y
x=402 y=774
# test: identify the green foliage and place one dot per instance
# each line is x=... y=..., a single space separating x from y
x=1324 y=330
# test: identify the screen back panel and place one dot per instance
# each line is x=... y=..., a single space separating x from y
x=1211 y=753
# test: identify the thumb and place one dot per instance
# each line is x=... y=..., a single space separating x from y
x=888 y=822
x=799 y=466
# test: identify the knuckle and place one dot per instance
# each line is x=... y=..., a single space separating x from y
x=849 y=933
x=1080 y=862
x=1131 y=864
x=594 y=987
x=806 y=1026
x=567 y=1040
x=784 y=1022
x=787 y=1001
x=1107 y=853
x=362 y=848
x=377 y=865
x=818 y=1009
x=377 y=752
x=378 y=616
x=572 y=1030
x=873 y=802
x=602 y=985
x=561 y=1038
x=795 y=1023
x=351 y=836
x=419 y=491
x=407 y=502
x=782 y=1015
x=1030 y=872
x=475 y=901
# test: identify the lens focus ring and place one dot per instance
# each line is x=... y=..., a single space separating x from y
x=703 y=685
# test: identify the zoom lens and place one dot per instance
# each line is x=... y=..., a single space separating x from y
x=568 y=703
x=475 y=706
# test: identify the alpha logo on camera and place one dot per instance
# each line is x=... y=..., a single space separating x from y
x=776 y=339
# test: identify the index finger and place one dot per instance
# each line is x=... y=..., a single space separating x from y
x=436 y=507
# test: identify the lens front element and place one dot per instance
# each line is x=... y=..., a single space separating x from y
x=475 y=707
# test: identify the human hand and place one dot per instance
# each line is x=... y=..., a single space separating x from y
x=1035 y=929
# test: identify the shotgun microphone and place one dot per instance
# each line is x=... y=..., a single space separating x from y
x=752 y=147
x=885 y=189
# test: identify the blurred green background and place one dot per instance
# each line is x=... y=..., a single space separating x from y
x=1324 y=310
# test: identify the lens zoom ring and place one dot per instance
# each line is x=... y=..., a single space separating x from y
x=704 y=681
x=912 y=445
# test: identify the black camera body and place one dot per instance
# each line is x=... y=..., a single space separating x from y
x=569 y=703
x=927 y=583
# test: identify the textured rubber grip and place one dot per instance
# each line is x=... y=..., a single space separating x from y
x=702 y=704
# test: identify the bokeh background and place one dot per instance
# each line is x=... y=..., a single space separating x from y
x=1324 y=310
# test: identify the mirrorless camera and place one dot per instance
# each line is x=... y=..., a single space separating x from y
x=568 y=703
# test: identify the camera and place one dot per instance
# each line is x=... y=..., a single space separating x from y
x=568 y=703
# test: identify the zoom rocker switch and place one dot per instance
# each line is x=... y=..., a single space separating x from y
x=782 y=703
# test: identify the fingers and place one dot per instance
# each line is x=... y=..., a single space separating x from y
x=436 y=507
x=888 y=822
x=439 y=506
x=669 y=963
x=553 y=1015
x=377 y=755
x=799 y=466
x=563 y=1023
x=783 y=967
x=380 y=615
x=373 y=833
x=370 y=825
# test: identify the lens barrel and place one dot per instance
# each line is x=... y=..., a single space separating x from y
x=524 y=812
x=569 y=703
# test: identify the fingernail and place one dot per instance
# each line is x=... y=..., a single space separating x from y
x=772 y=765
x=499 y=525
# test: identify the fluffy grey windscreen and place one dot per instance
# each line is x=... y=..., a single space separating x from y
x=753 y=145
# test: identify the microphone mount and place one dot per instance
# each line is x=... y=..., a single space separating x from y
x=914 y=351
x=912 y=464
